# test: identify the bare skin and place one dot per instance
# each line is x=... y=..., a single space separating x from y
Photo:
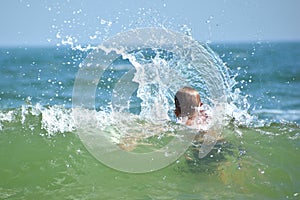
x=187 y=104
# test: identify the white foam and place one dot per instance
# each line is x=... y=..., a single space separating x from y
x=57 y=119
x=6 y=117
x=54 y=119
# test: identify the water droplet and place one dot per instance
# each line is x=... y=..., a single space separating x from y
x=92 y=37
x=58 y=35
x=261 y=171
x=209 y=19
x=102 y=21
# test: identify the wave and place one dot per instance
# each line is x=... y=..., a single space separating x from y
x=277 y=114
x=51 y=119
x=56 y=119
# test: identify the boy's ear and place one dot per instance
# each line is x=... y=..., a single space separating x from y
x=176 y=112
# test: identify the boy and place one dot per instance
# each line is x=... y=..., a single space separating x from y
x=188 y=107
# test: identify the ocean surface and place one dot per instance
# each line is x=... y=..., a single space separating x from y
x=42 y=157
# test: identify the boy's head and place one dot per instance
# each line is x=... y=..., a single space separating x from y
x=187 y=100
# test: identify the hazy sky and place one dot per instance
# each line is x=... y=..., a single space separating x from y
x=40 y=22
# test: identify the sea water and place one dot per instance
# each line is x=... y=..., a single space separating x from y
x=42 y=157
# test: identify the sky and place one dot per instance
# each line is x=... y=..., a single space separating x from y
x=54 y=22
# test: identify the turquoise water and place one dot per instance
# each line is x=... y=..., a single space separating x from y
x=42 y=157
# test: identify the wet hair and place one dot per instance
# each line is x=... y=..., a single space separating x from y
x=187 y=100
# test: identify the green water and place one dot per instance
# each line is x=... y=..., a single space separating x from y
x=260 y=163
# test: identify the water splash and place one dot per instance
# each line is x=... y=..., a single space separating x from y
x=163 y=61
x=6 y=117
x=50 y=120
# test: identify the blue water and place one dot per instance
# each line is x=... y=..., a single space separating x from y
x=41 y=157
x=43 y=74
x=269 y=74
